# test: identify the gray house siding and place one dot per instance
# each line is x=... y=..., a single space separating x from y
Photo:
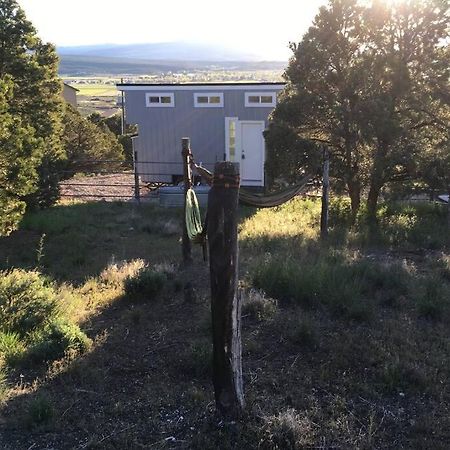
x=161 y=128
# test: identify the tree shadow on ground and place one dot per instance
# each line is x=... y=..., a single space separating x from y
x=73 y=242
x=143 y=376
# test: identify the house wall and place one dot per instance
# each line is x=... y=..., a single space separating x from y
x=161 y=129
x=70 y=95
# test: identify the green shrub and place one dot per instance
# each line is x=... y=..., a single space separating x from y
x=302 y=333
x=346 y=287
x=432 y=299
x=27 y=302
x=57 y=338
x=41 y=411
x=402 y=375
x=3 y=384
x=146 y=283
x=11 y=348
x=258 y=307
x=196 y=360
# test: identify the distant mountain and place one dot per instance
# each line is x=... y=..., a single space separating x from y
x=168 y=51
x=72 y=65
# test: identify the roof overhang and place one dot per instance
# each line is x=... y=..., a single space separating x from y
x=71 y=87
x=200 y=87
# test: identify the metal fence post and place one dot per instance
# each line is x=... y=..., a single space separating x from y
x=137 y=193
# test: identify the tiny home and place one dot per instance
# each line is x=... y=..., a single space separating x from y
x=225 y=121
x=70 y=94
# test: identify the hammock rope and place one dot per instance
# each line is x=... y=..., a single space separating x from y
x=193 y=218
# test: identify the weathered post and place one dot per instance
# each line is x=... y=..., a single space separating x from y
x=325 y=194
x=225 y=299
x=448 y=208
x=137 y=192
x=187 y=178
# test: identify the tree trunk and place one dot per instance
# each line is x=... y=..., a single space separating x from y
x=376 y=182
x=372 y=202
x=325 y=195
x=354 y=191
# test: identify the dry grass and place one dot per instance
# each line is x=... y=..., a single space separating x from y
x=313 y=377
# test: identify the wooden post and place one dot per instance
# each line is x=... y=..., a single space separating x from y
x=225 y=300
x=187 y=178
x=448 y=209
x=137 y=192
x=325 y=194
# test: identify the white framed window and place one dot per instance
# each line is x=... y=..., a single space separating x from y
x=231 y=137
x=208 y=100
x=160 y=100
x=260 y=99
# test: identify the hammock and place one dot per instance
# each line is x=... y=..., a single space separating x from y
x=274 y=199
x=248 y=198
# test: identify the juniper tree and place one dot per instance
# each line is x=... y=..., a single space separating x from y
x=321 y=101
x=406 y=94
x=20 y=153
x=86 y=143
x=365 y=80
x=36 y=99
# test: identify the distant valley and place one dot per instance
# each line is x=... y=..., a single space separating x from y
x=145 y=59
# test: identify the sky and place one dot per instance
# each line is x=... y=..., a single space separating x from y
x=261 y=27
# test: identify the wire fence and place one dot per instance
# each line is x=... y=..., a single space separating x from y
x=111 y=180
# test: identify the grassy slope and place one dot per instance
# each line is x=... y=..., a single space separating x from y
x=314 y=375
x=97 y=90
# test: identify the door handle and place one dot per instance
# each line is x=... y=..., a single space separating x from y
x=243 y=155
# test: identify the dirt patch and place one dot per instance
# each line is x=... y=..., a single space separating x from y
x=110 y=187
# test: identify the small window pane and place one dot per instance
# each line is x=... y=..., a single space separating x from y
x=154 y=99
x=202 y=99
x=166 y=100
x=254 y=99
x=214 y=99
x=266 y=99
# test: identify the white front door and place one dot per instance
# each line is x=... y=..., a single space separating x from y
x=245 y=144
x=251 y=151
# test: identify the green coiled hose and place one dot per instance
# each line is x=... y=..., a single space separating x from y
x=193 y=219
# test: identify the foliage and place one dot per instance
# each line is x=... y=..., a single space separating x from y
x=41 y=411
x=55 y=339
x=36 y=100
x=87 y=144
x=11 y=348
x=146 y=283
x=369 y=81
x=431 y=300
x=20 y=154
x=257 y=306
x=347 y=288
x=27 y=302
x=114 y=124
